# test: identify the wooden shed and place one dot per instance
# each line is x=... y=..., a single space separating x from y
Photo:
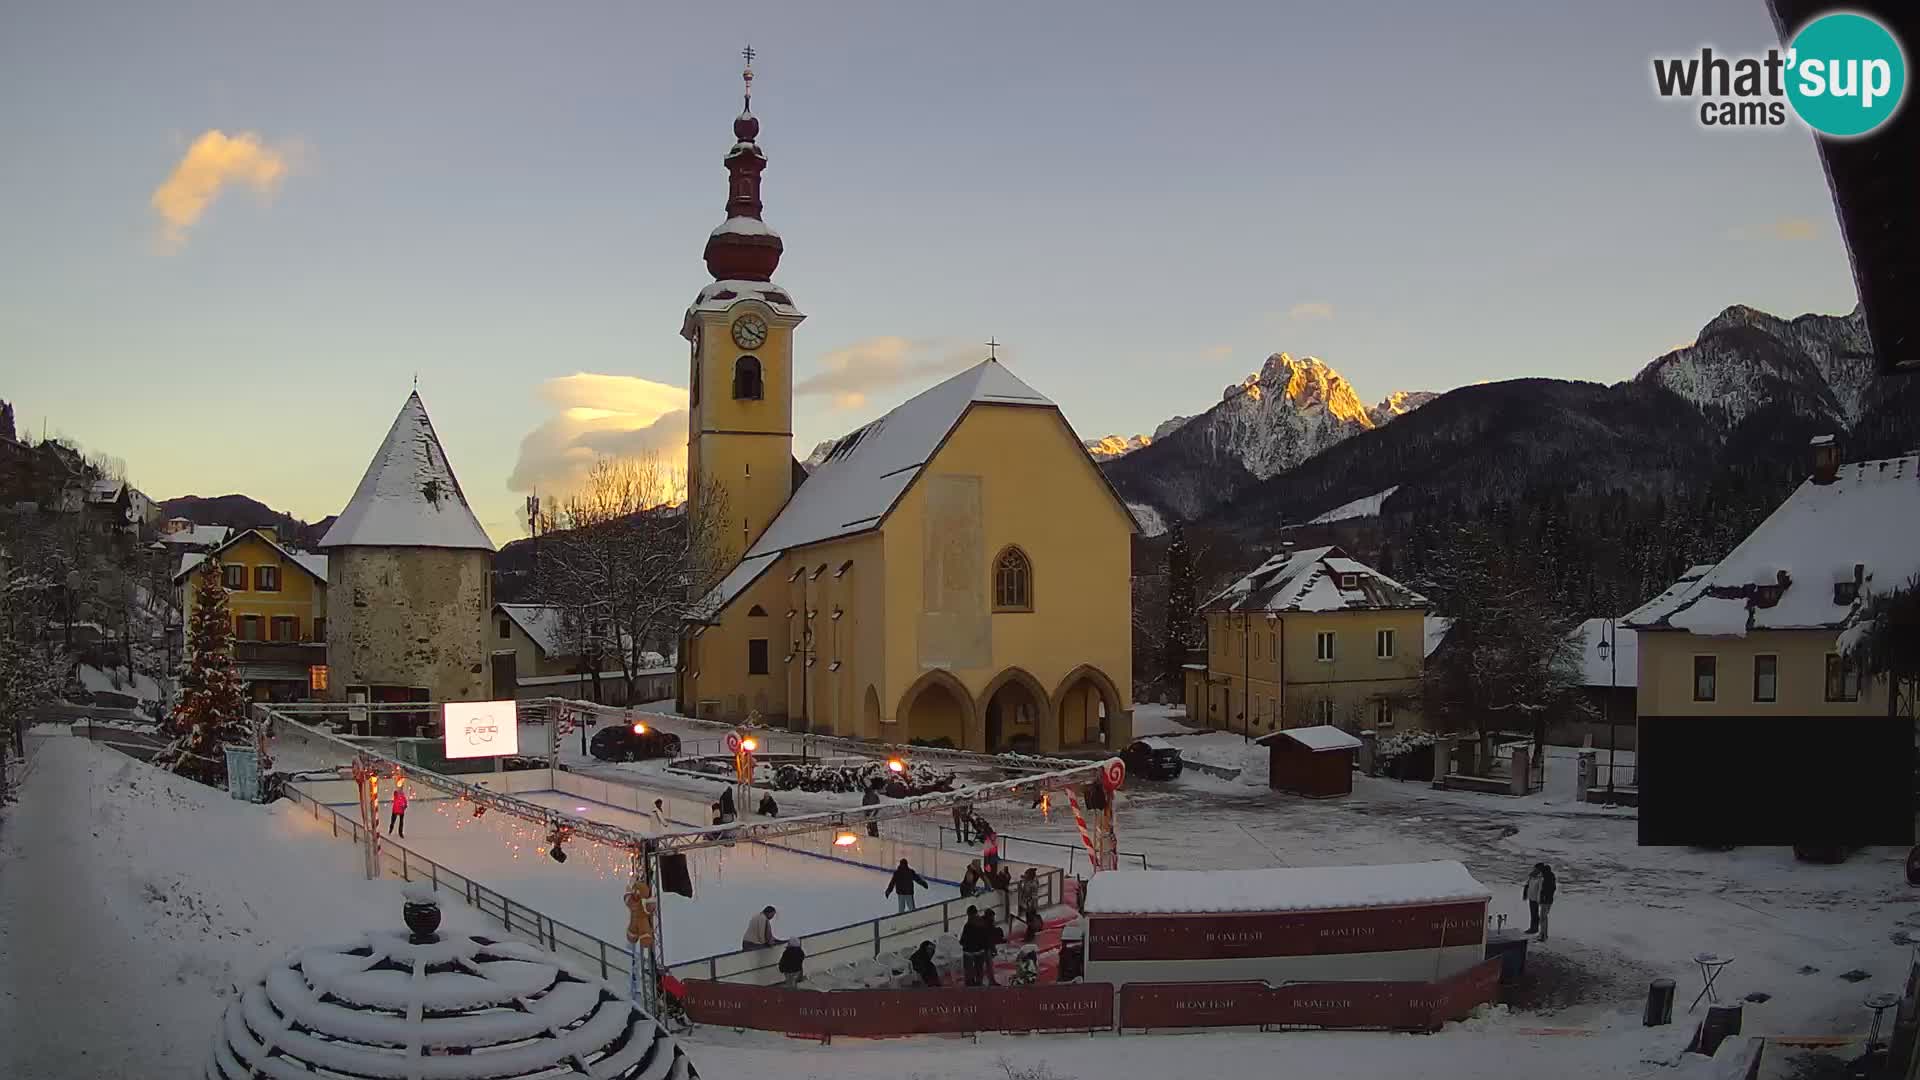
x=1313 y=761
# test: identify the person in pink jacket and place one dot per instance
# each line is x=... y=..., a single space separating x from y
x=399 y=818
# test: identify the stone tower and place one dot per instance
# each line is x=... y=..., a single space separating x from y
x=410 y=582
x=740 y=423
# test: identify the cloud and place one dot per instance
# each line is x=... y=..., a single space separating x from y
x=1791 y=228
x=1309 y=311
x=214 y=161
x=850 y=373
x=599 y=416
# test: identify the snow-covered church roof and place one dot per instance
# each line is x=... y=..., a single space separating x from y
x=1315 y=579
x=409 y=496
x=864 y=474
x=1783 y=576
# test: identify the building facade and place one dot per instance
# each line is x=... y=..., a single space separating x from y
x=1760 y=633
x=1310 y=638
x=412 y=583
x=955 y=572
x=278 y=600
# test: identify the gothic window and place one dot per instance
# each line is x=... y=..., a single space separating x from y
x=1012 y=581
x=746 y=379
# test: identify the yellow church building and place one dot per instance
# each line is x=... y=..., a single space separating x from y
x=953 y=573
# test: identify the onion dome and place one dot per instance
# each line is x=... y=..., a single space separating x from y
x=744 y=248
x=414 y=1006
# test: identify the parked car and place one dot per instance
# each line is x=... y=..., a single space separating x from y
x=624 y=743
x=1152 y=759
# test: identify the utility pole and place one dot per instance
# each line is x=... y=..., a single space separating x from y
x=1246 y=677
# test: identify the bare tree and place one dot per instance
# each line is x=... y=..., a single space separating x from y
x=629 y=557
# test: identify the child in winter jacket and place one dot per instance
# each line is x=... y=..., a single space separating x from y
x=791 y=962
x=399 y=818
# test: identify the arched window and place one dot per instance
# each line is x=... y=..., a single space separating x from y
x=757 y=612
x=746 y=379
x=1012 y=581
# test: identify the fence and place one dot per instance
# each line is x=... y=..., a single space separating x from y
x=1075 y=852
x=609 y=959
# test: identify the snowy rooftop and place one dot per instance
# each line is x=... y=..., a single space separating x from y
x=312 y=564
x=1620 y=668
x=865 y=473
x=545 y=626
x=1317 y=737
x=198 y=535
x=1867 y=517
x=1310 y=580
x=409 y=496
x=1305 y=888
x=721 y=295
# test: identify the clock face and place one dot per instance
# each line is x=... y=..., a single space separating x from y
x=749 y=332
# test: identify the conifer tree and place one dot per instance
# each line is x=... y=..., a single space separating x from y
x=212 y=711
x=1178 y=637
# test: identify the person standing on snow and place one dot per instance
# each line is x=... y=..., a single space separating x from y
x=399 y=818
x=975 y=945
x=792 y=961
x=660 y=816
x=872 y=798
x=1539 y=893
x=1029 y=896
x=727 y=810
x=902 y=882
x=990 y=855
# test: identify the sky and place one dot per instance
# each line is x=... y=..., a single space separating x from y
x=237 y=232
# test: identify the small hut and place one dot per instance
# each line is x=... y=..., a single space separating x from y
x=1313 y=761
x=421 y=1005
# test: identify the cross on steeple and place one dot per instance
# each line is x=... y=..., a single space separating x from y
x=993 y=349
x=746 y=75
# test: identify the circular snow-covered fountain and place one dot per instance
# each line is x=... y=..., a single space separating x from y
x=416 y=1005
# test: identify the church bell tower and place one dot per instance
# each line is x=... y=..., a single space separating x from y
x=740 y=329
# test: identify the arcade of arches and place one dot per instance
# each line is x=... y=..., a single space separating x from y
x=1013 y=711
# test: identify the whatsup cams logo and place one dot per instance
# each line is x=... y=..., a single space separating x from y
x=1842 y=75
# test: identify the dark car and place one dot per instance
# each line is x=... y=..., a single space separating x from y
x=1152 y=759
x=633 y=742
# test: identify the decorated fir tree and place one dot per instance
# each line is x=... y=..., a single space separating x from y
x=1178 y=637
x=212 y=710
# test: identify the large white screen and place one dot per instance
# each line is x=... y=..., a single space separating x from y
x=482 y=728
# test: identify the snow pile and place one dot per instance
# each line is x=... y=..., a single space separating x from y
x=409 y=496
x=138 y=686
x=1148 y=518
x=1364 y=507
x=1319 y=737
x=1312 y=888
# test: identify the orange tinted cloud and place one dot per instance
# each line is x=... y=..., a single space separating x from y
x=214 y=161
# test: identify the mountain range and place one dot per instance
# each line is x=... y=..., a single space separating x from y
x=241 y=512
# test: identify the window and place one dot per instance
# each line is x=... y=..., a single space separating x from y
x=757 y=612
x=1766 y=678
x=320 y=634
x=266 y=579
x=1383 y=644
x=1349 y=581
x=1383 y=712
x=1843 y=679
x=284 y=628
x=1012 y=581
x=1273 y=644
x=1323 y=711
x=506 y=629
x=1323 y=646
x=248 y=627
x=746 y=379
x=234 y=575
x=757 y=656
x=1705 y=672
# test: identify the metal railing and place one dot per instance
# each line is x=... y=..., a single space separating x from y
x=551 y=934
x=1007 y=840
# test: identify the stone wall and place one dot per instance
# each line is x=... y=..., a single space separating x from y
x=409 y=617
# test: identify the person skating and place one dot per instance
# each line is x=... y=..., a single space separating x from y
x=922 y=964
x=1539 y=893
x=399 y=818
x=792 y=961
x=769 y=808
x=990 y=854
x=759 y=933
x=728 y=812
x=962 y=814
x=975 y=945
x=974 y=881
x=660 y=816
x=902 y=882
x=871 y=797
x=1029 y=896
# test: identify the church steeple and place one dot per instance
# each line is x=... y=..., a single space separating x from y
x=743 y=248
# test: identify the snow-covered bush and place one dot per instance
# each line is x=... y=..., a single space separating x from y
x=918 y=779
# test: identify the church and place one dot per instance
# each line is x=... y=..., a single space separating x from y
x=955 y=573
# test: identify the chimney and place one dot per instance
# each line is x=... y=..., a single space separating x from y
x=1826 y=459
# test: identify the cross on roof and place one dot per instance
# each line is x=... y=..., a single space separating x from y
x=993 y=349
x=749 y=54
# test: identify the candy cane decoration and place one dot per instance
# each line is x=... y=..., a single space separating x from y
x=1086 y=838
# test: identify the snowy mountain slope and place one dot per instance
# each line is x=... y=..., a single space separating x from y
x=1113 y=446
x=1744 y=360
x=1399 y=403
x=1365 y=506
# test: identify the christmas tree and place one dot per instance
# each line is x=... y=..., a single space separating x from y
x=1179 y=637
x=212 y=711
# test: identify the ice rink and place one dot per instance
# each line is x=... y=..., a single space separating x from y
x=730 y=884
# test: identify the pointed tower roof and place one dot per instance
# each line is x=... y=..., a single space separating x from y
x=408 y=497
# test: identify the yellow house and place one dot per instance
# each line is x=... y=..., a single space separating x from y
x=278 y=601
x=1310 y=637
x=1759 y=633
x=955 y=572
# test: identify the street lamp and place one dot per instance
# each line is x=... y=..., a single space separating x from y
x=1611 y=655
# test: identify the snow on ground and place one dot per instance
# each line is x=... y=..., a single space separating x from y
x=730 y=884
x=1364 y=507
x=115 y=681
x=131 y=901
